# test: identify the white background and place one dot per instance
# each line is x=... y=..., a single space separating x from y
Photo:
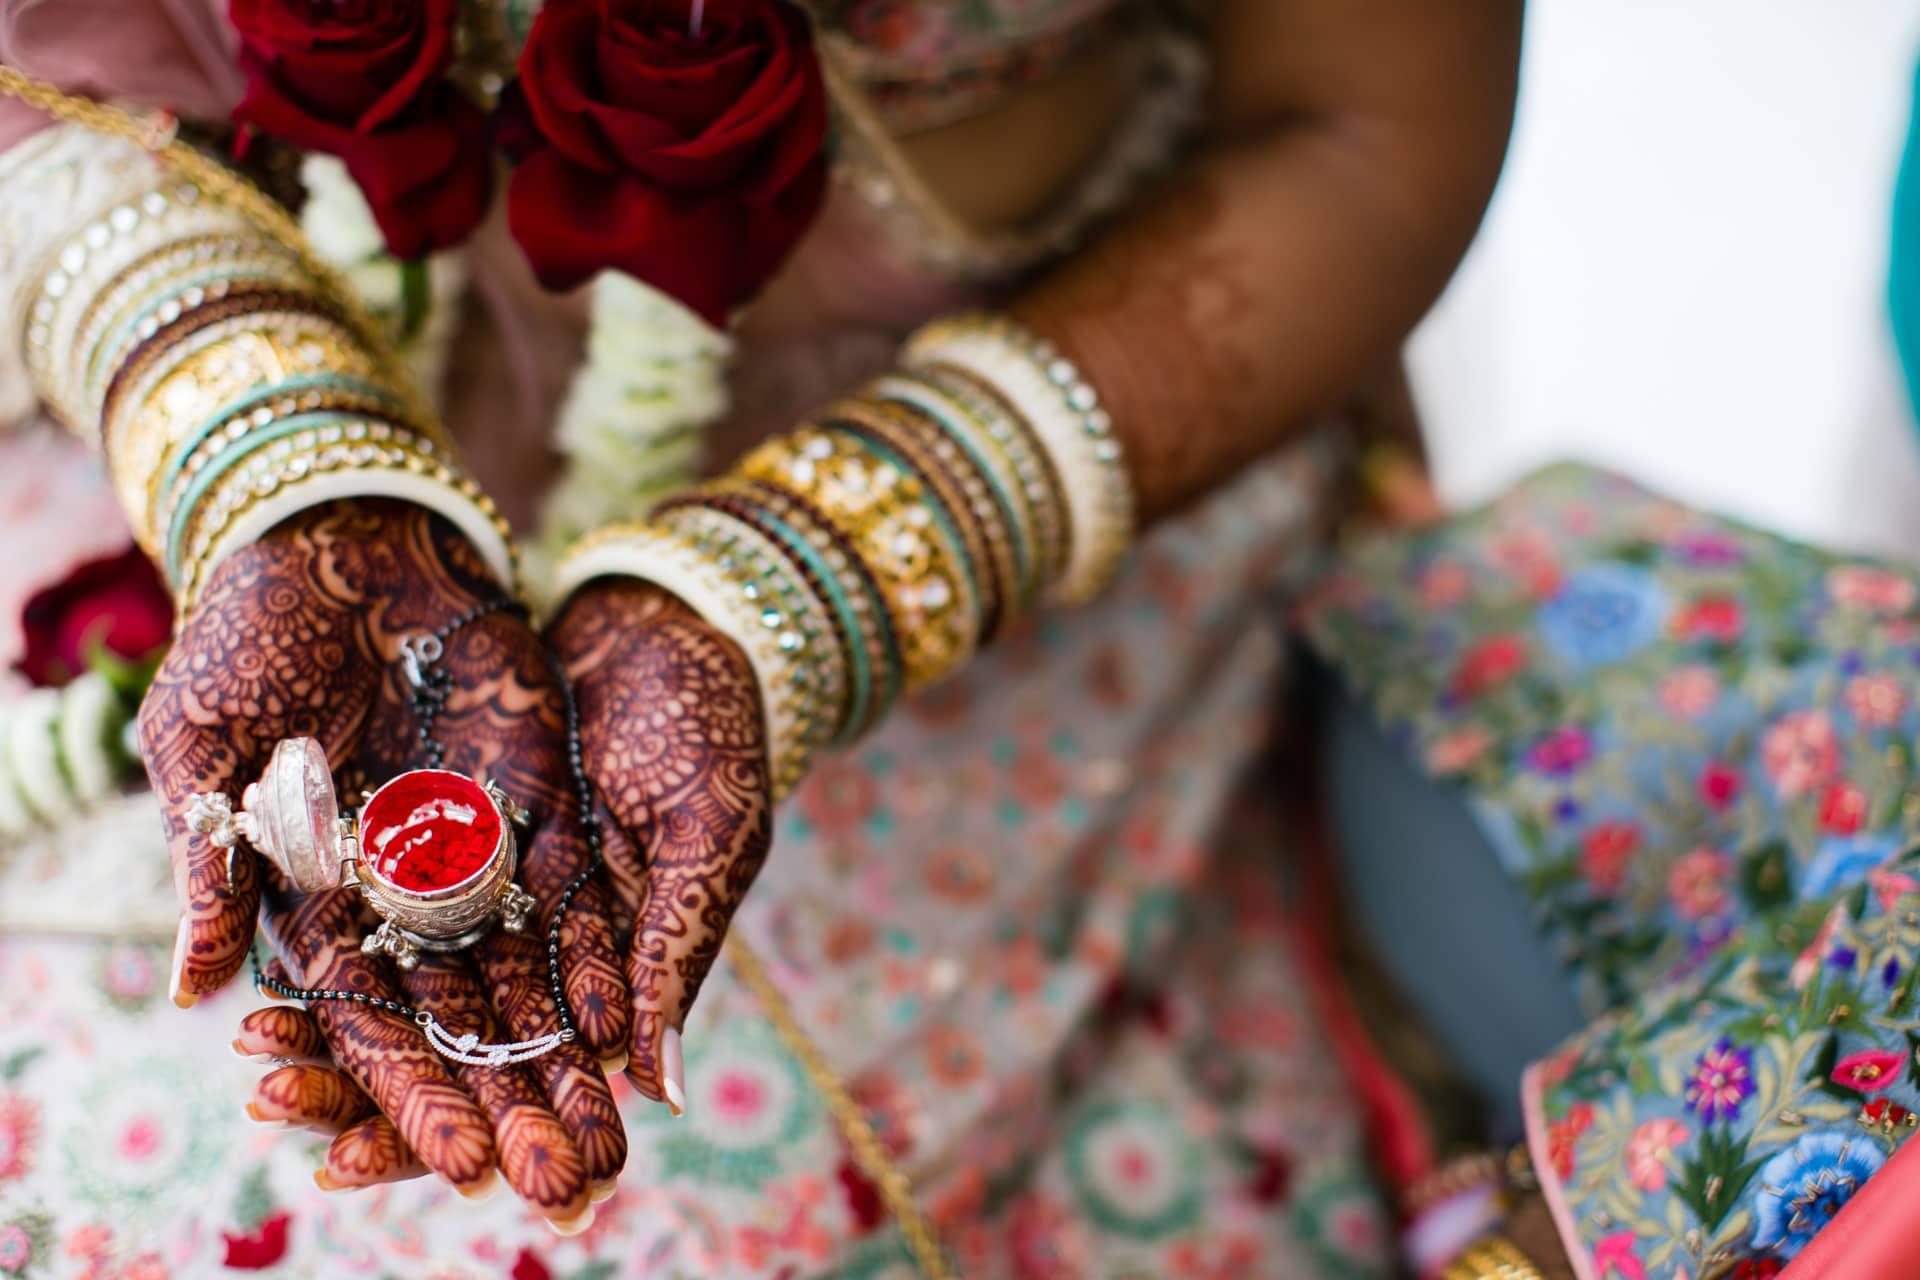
x=1683 y=274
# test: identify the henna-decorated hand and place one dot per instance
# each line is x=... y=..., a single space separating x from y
x=675 y=744
x=299 y=635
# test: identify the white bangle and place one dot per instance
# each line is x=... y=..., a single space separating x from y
x=1063 y=411
x=469 y=511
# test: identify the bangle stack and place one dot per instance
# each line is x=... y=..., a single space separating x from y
x=1494 y=1258
x=229 y=385
x=870 y=552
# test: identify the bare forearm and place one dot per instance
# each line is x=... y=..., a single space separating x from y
x=1346 y=177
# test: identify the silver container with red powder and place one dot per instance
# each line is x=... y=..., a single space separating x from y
x=432 y=851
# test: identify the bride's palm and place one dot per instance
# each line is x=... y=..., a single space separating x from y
x=300 y=635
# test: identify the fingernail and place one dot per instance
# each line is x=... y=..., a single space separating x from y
x=241 y=1051
x=571 y=1226
x=184 y=999
x=672 y=1072
x=614 y=1065
x=601 y=1192
x=324 y=1180
x=483 y=1189
x=254 y=1113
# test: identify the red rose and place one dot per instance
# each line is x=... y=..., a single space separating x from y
x=366 y=82
x=118 y=603
x=692 y=163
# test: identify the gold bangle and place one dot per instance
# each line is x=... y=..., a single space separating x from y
x=919 y=443
x=1494 y=1258
x=248 y=354
x=887 y=516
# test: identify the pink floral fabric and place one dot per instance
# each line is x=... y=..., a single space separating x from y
x=1034 y=922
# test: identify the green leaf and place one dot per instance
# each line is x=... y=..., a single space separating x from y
x=128 y=677
x=1763 y=876
x=1712 y=1179
x=594 y=1271
x=1823 y=1061
x=11 y=1068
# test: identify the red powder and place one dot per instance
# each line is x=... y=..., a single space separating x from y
x=427 y=830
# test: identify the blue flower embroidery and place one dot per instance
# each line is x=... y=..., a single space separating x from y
x=1804 y=1186
x=1603 y=614
x=1843 y=861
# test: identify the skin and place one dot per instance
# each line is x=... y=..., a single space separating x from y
x=299 y=634
x=1352 y=147
x=673 y=733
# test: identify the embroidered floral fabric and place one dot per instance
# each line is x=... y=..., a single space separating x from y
x=1692 y=744
x=1015 y=922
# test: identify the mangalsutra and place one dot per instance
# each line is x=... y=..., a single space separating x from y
x=432 y=851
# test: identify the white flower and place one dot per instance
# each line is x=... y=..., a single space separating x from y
x=654 y=376
x=336 y=218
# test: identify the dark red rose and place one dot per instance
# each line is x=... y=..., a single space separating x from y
x=365 y=80
x=118 y=603
x=260 y=1248
x=693 y=163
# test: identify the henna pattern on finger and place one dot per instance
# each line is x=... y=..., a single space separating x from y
x=281 y=1031
x=367 y=1154
x=514 y=968
x=384 y=1054
x=673 y=734
x=537 y=1156
x=318 y=1097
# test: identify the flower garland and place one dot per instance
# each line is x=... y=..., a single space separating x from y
x=63 y=752
x=630 y=429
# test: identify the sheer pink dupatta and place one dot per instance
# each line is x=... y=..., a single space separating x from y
x=172 y=53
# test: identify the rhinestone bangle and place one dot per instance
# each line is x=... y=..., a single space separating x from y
x=1063 y=411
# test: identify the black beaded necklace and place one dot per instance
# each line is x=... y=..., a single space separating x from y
x=430 y=687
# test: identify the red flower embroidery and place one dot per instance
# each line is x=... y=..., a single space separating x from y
x=863 y=1197
x=1717 y=618
x=1606 y=853
x=367 y=83
x=118 y=603
x=691 y=162
x=1563 y=1133
x=529 y=1267
x=1870 y=1070
x=1719 y=786
x=1843 y=809
x=260 y=1248
x=1491 y=662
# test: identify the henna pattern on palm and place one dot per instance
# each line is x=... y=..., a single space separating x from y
x=671 y=723
x=299 y=635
